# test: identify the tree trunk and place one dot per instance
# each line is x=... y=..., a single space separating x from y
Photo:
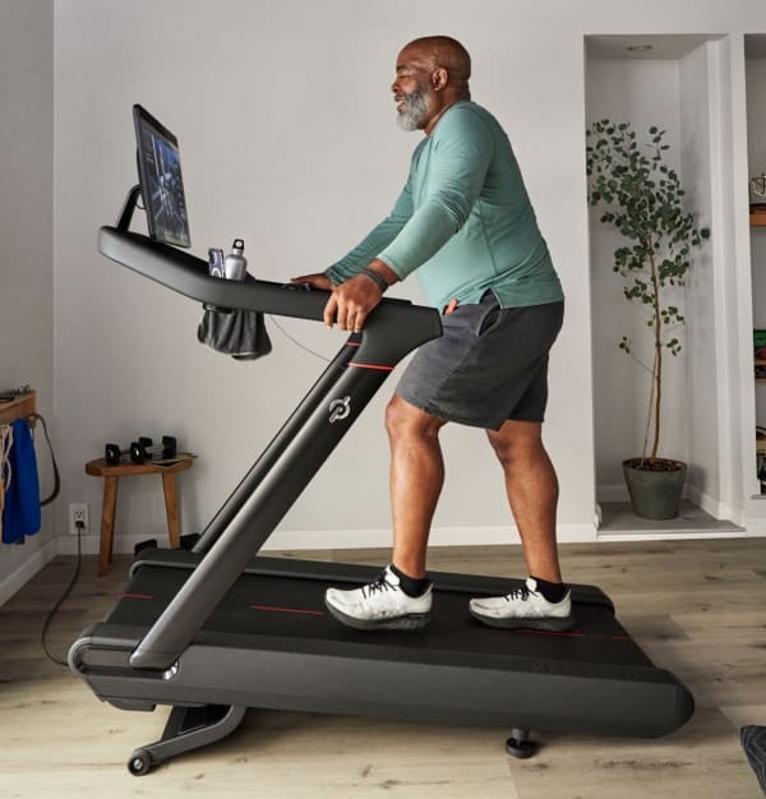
x=658 y=349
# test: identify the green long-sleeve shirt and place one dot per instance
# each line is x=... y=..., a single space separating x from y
x=463 y=220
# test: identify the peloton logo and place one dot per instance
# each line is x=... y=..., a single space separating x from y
x=340 y=409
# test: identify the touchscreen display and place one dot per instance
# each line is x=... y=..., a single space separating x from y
x=162 y=187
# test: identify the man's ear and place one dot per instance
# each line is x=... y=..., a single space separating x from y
x=439 y=79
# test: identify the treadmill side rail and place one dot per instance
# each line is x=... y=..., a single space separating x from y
x=589 y=698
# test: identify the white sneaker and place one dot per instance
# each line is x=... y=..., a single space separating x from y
x=380 y=605
x=524 y=607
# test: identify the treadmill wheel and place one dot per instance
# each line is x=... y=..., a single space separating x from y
x=519 y=745
x=140 y=763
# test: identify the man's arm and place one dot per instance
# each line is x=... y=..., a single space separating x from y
x=376 y=240
x=461 y=155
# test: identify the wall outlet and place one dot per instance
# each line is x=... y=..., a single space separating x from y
x=78 y=512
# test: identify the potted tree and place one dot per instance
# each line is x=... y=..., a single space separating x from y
x=642 y=198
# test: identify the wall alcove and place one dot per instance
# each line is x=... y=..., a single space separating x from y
x=682 y=84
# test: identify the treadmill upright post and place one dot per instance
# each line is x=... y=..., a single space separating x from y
x=301 y=453
x=260 y=468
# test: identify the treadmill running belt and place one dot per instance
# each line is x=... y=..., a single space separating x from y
x=274 y=606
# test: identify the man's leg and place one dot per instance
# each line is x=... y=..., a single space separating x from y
x=417 y=476
x=543 y=603
x=401 y=598
x=533 y=491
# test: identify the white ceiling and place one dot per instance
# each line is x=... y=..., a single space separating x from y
x=663 y=45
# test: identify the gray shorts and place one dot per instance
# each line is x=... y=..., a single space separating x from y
x=490 y=365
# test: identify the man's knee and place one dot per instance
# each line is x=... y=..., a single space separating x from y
x=516 y=442
x=404 y=419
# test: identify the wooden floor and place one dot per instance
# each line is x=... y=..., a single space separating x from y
x=698 y=608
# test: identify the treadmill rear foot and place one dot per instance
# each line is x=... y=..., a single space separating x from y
x=519 y=745
x=187 y=728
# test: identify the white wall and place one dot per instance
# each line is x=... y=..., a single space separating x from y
x=308 y=159
x=26 y=230
x=719 y=481
x=700 y=335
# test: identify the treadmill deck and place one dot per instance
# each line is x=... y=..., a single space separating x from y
x=271 y=643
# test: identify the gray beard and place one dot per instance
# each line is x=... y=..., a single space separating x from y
x=415 y=111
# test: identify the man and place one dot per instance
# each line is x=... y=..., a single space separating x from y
x=464 y=221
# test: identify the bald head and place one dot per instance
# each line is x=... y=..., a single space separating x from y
x=432 y=73
x=442 y=52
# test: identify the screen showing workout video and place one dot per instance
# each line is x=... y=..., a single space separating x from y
x=162 y=187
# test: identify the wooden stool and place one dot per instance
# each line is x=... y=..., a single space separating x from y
x=111 y=475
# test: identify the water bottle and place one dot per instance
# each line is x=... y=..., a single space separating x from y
x=235 y=263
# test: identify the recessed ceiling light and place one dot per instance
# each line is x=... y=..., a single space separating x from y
x=638 y=48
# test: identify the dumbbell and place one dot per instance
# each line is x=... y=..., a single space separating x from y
x=143 y=449
x=113 y=454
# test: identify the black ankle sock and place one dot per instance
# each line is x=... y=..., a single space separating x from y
x=411 y=586
x=553 y=592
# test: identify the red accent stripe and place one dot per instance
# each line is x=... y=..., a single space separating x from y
x=353 y=344
x=551 y=632
x=287 y=610
x=573 y=634
x=373 y=366
x=138 y=596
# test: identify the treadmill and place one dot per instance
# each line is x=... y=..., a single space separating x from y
x=219 y=629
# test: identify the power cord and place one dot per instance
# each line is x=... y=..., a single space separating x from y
x=80 y=527
x=297 y=343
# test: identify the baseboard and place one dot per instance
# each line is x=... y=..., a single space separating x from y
x=671 y=535
x=15 y=581
x=713 y=506
x=350 y=539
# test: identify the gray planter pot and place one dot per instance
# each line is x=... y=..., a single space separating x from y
x=655 y=494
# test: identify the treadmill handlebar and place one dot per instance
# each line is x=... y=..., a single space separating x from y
x=188 y=275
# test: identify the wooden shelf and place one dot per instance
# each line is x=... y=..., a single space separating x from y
x=18 y=408
x=758 y=217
